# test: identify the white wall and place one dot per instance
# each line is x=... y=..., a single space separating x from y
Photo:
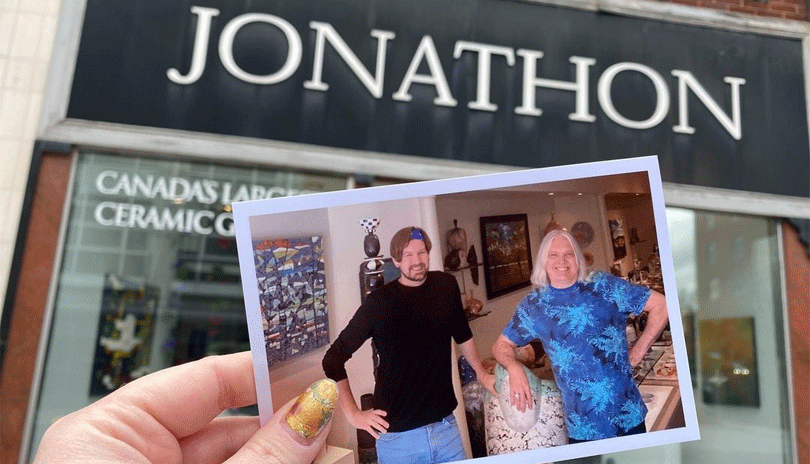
x=639 y=216
x=26 y=40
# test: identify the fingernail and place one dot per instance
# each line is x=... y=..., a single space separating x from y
x=313 y=409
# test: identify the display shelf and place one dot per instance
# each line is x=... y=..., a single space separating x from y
x=461 y=268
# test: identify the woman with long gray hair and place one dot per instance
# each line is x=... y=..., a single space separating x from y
x=580 y=317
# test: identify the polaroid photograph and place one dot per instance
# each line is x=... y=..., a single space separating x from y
x=564 y=273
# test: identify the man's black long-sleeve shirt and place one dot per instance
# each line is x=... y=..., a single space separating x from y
x=411 y=328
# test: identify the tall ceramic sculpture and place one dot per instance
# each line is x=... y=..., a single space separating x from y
x=371 y=269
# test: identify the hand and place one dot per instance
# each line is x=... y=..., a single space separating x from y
x=520 y=394
x=370 y=420
x=488 y=381
x=636 y=354
x=171 y=417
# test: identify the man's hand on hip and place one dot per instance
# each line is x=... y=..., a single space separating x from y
x=370 y=420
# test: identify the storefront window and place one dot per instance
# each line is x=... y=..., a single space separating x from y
x=728 y=275
x=149 y=276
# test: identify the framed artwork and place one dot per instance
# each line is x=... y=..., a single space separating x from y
x=583 y=233
x=292 y=292
x=124 y=334
x=507 y=254
x=728 y=361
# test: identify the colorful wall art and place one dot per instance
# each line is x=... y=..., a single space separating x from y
x=292 y=292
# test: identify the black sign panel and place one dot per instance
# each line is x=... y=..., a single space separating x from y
x=494 y=81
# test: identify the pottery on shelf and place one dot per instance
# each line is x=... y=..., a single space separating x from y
x=552 y=225
x=457 y=241
x=452 y=261
x=472 y=305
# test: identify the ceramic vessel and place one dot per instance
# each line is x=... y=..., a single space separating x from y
x=457 y=241
x=371 y=245
x=547 y=430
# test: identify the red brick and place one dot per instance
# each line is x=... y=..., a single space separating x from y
x=28 y=309
x=729 y=2
x=774 y=14
x=797 y=274
x=783 y=9
x=786 y=9
x=791 y=9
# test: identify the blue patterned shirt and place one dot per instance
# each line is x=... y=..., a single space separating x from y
x=582 y=328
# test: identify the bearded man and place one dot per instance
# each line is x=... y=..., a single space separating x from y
x=411 y=321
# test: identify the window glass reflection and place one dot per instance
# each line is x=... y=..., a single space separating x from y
x=733 y=326
x=150 y=275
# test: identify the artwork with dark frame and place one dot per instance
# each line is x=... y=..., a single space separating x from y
x=507 y=254
x=728 y=361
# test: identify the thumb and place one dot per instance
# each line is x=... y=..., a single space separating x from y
x=296 y=432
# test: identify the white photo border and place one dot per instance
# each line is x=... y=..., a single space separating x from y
x=243 y=211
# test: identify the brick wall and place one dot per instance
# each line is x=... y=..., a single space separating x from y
x=30 y=301
x=783 y=9
x=797 y=272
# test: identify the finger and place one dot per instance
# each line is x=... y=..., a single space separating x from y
x=514 y=397
x=296 y=432
x=371 y=431
x=218 y=440
x=211 y=385
x=380 y=421
x=375 y=426
x=527 y=399
x=380 y=426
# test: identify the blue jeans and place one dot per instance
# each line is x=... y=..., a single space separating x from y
x=429 y=444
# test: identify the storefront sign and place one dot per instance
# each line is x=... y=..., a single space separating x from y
x=435 y=77
x=211 y=199
x=452 y=80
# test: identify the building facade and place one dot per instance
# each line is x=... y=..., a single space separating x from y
x=144 y=133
